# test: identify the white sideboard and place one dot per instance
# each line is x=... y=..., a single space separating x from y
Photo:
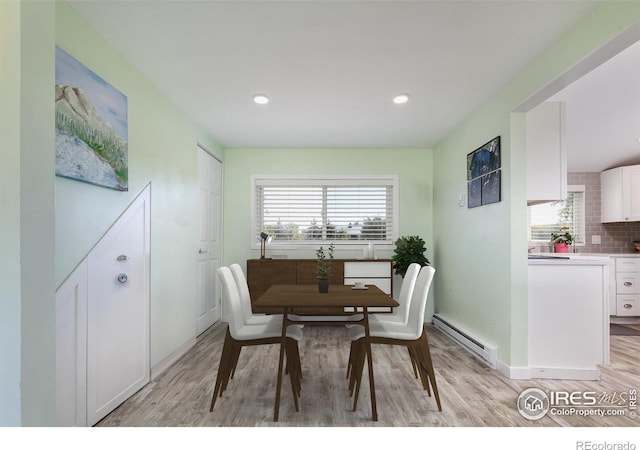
x=378 y=273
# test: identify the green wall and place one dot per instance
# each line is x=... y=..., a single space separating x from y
x=414 y=168
x=10 y=407
x=481 y=252
x=49 y=224
x=162 y=151
x=27 y=353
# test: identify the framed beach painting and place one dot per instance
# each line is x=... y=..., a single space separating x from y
x=91 y=126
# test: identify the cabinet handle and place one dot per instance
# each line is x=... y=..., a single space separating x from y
x=628 y=283
x=628 y=306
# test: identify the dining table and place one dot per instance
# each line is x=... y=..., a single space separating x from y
x=293 y=299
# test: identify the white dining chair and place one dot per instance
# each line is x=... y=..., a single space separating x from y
x=400 y=313
x=245 y=298
x=411 y=335
x=240 y=334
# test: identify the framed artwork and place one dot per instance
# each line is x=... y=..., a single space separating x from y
x=483 y=174
x=91 y=126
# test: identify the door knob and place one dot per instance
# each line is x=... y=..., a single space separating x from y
x=203 y=251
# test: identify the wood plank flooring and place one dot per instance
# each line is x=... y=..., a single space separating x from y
x=472 y=394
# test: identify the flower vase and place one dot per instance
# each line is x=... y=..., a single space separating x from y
x=561 y=247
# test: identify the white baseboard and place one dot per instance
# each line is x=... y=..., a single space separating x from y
x=513 y=373
x=624 y=320
x=565 y=373
x=555 y=373
x=172 y=358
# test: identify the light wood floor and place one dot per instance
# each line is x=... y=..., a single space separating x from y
x=472 y=394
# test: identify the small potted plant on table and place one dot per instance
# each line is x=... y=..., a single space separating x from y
x=561 y=240
x=324 y=268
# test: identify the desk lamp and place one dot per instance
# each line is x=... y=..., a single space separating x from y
x=264 y=240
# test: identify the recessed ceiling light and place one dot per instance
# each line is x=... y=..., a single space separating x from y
x=261 y=99
x=400 y=99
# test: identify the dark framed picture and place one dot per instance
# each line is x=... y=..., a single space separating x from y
x=474 y=194
x=483 y=174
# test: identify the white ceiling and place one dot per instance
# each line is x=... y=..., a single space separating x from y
x=602 y=114
x=331 y=68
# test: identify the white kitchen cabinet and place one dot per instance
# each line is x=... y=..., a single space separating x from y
x=620 y=189
x=546 y=153
x=568 y=321
x=627 y=299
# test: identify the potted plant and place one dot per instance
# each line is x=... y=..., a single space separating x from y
x=561 y=240
x=324 y=267
x=409 y=249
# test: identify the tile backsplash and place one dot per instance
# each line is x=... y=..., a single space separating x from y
x=614 y=237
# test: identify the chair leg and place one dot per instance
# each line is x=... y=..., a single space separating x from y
x=414 y=351
x=424 y=347
x=224 y=368
x=413 y=362
x=350 y=360
x=357 y=369
x=293 y=370
x=356 y=348
x=234 y=353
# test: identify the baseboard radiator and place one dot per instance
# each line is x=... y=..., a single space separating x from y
x=486 y=352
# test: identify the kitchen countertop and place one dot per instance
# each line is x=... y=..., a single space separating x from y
x=573 y=259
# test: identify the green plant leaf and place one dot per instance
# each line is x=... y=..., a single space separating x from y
x=409 y=249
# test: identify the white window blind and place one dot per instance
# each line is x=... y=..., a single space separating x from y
x=340 y=210
x=547 y=218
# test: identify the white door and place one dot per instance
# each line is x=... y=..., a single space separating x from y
x=209 y=239
x=118 y=312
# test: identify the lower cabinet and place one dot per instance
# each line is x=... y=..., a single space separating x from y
x=627 y=287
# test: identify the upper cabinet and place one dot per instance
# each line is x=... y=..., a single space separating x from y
x=546 y=153
x=620 y=189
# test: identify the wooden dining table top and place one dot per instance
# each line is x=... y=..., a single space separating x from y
x=300 y=295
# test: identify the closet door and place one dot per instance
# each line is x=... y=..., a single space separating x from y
x=209 y=240
x=118 y=312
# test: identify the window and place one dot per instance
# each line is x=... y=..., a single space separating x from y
x=547 y=218
x=342 y=210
